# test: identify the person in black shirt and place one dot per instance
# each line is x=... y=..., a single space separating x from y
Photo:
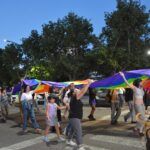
x=76 y=114
x=92 y=102
x=129 y=100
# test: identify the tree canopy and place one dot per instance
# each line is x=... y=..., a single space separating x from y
x=69 y=50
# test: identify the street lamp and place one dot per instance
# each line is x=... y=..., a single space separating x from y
x=148 y=52
x=8 y=41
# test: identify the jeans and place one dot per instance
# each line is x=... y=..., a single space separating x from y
x=75 y=124
x=131 y=113
x=140 y=109
x=69 y=131
x=4 y=111
x=115 y=111
x=28 y=110
x=121 y=100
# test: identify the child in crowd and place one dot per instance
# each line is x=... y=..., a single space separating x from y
x=51 y=118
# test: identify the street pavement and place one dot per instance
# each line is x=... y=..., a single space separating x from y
x=97 y=135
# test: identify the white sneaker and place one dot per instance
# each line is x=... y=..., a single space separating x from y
x=61 y=139
x=71 y=143
x=45 y=139
x=81 y=147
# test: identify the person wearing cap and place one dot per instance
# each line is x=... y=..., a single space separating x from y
x=51 y=118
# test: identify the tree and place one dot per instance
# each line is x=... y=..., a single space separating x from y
x=127 y=30
x=61 y=47
x=11 y=59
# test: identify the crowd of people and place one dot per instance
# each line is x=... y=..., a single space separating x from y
x=68 y=100
x=71 y=98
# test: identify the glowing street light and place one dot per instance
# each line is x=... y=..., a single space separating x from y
x=8 y=41
x=148 y=52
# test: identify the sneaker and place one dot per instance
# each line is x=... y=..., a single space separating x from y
x=125 y=119
x=3 y=120
x=25 y=131
x=45 y=139
x=141 y=134
x=91 y=118
x=71 y=143
x=81 y=148
x=61 y=139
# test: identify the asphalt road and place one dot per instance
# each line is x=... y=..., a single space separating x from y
x=97 y=135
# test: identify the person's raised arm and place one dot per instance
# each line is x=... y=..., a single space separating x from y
x=125 y=80
x=84 y=90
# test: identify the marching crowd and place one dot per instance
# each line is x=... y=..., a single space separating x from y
x=68 y=99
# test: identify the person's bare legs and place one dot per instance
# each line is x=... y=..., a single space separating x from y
x=47 y=130
x=57 y=130
x=60 y=139
x=46 y=133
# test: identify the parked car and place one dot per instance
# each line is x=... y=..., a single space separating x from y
x=101 y=99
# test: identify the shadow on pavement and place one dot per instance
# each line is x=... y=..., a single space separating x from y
x=104 y=128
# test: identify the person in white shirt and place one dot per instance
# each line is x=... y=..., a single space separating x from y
x=28 y=111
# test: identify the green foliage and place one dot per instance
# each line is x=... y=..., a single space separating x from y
x=68 y=50
x=62 y=46
x=11 y=58
x=127 y=30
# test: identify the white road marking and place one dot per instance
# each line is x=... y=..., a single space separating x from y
x=117 y=140
x=38 y=140
x=27 y=143
x=95 y=148
x=87 y=147
x=125 y=141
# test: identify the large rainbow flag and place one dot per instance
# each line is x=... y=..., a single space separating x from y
x=116 y=81
x=113 y=82
x=42 y=88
